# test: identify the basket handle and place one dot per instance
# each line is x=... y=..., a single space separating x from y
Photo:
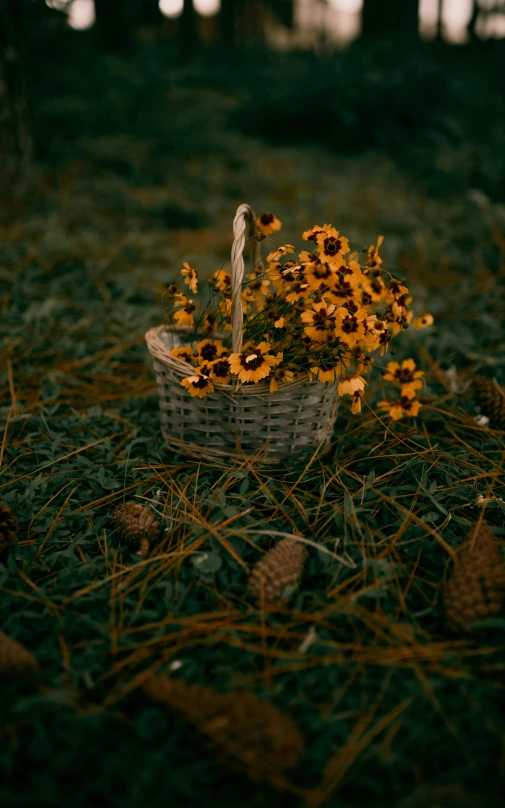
x=243 y=226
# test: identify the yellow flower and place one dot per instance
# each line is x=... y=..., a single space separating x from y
x=332 y=246
x=311 y=235
x=424 y=320
x=185 y=315
x=373 y=259
x=405 y=375
x=356 y=402
x=258 y=287
x=396 y=291
x=320 y=275
x=209 y=323
x=274 y=272
x=320 y=322
x=220 y=371
x=280 y=375
x=363 y=363
x=225 y=308
x=277 y=320
x=282 y=250
x=350 y=324
x=210 y=349
x=345 y=286
x=221 y=281
x=190 y=277
x=268 y=223
x=373 y=290
x=397 y=324
x=308 y=257
x=328 y=369
x=256 y=365
x=296 y=290
x=407 y=405
x=350 y=385
x=184 y=354
x=180 y=299
x=198 y=385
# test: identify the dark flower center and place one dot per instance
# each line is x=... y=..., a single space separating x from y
x=221 y=368
x=209 y=352
x=327 y=363
x=322 y=321
x=349 y=325
x=332 y=245
x=404 y=375
x=254 y=363
x=344 y=289
x=201 y=383
x=322 y=271
x=266 y=218
x=209 y=323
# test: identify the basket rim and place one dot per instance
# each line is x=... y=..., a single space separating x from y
x=159 y=351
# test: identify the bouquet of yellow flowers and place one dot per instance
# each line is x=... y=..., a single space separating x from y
x=318 y=314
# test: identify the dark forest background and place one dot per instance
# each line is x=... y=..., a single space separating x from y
x=438 y=108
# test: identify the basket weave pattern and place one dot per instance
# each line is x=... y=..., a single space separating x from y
x=238 y=417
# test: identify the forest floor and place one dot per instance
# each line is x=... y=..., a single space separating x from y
x=393 y=708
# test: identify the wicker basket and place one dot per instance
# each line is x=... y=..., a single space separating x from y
x=238 y=418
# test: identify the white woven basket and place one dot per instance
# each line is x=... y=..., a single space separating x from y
x=238 y=418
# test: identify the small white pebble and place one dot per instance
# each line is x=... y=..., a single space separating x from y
x=481 y=420
x=175 y=665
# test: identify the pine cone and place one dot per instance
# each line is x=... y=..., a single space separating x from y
x=8 y=528
x=476 y=588
x=137 y=525
x=279 y=572
x=248 y=729
x=491 y=399
x=15 y=660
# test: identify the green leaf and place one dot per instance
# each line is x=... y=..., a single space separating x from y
x=348 y=504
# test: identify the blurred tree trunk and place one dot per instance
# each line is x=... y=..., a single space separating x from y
x=439 y=19
x=252 y=22
x=15 y=117
x=284 y=11
x=391 y=19
x=114 y=23
x=472 y=25
x=149 y=13
x=188 y=29
x=228 y=24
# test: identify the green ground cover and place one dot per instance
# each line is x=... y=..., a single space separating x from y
x=388 y=701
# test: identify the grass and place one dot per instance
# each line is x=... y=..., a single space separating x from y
x=388 y=701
